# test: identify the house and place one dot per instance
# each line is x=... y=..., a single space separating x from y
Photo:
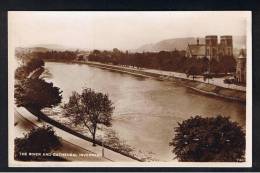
x=83 y=56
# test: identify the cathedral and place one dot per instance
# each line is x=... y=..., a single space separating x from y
x=212 y=49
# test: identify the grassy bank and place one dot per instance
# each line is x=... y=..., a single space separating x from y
x=51 y=121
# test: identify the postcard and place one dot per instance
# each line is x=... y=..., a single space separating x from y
x=130 y=88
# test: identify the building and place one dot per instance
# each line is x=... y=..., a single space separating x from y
x=241 y=67
x=83 y=56
x=196 y=50
x=226 y=45
x=211 y=49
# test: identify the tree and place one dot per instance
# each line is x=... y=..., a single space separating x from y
x=38 y=140
x=192 y=71
x=200 y=139
x=23 y=72
x=90 y=109
x=227 y=64
x=34 y=63
x=36 y=94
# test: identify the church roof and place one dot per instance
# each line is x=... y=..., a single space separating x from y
x=197 y=49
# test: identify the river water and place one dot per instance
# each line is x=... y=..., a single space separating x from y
x=146 y=110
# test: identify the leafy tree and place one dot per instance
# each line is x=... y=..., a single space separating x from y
x=96 y=52
x=193 y=70
x=34 y=63
x=227 y=64
x=37 y=94
x=38 y=140
x=215 y=66
x=21 y=73
x=200 y=139
x=163 y=60
x=36 y=73
x=90 y=109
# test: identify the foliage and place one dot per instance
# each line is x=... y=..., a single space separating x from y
x=57 y=55
x=38 y=140
x=89 y=109
x=34 y=63
x=193 y=71
x=37 y=94
x=209 y=139
x=163 y=60
x=227 y=64
x=23 y=72
x=111 y=139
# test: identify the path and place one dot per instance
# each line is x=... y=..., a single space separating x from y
x=72 y=143
x=214 y=81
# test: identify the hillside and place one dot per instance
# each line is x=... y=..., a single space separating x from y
x=31 y=49
x=44 y=48
x=181 y=44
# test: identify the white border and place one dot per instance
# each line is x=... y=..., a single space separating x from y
x=248 y=163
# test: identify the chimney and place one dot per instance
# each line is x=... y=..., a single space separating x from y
x=198 y=41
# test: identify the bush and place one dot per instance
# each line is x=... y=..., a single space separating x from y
x=38 y=140
x=111 y=139
x=209 y=139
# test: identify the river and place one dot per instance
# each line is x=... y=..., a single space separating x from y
x=146 y=110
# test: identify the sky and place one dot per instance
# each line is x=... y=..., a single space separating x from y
x=122 y=30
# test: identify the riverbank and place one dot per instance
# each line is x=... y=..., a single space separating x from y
x=146 y=110
x=23 y=126
x=201 y=87
x=82 y=143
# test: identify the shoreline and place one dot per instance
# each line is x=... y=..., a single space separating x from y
x=111 y=153
x=200 y=87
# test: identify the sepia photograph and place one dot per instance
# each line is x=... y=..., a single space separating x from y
x=130 y=88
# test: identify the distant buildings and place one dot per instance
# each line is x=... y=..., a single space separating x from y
x=211 y=49
x=241 y=67
x=83 y=56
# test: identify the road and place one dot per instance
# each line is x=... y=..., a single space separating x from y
x=214 y=81
x=23 y=125
x=76 y=144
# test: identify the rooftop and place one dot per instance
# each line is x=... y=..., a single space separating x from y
x=197 y=49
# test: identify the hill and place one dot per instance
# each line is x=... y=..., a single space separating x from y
x=181 y=44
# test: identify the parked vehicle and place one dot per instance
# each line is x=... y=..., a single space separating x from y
x=229 y=80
